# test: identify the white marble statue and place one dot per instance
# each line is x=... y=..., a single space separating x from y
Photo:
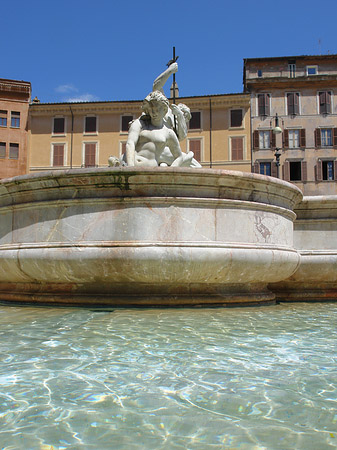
x=151 y=142
x=179 y=115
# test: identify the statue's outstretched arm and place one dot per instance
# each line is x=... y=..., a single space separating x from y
x=160 y=81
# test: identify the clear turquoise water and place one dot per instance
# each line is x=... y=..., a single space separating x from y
x=243 y=378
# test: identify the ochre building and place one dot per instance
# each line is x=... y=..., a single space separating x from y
x=77 y=135
x=14 y=105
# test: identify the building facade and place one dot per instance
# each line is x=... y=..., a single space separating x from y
x=14 y=105
x=76 y=135
x=302 y=92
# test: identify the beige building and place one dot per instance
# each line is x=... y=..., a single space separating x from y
x=75 y=135
x=14 y=104
x=302 y=92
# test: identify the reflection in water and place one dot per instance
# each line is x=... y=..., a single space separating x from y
x=242 y=378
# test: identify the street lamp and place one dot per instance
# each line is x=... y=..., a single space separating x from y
x=277 y=130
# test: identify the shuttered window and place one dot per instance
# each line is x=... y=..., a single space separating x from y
x=195 y=122
x=263 y=101
x=324 y=102
x=195 y=147
x=293 y=103
x=90 y=124
x=90 y=155
x=58 y=155
x=295 y=170
x=125 y=123
x=13 y=151
x=2 y=150
x=237 y=148
x=58 y=126
x=236 y=118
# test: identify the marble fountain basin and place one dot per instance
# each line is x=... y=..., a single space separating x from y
x=145 y=237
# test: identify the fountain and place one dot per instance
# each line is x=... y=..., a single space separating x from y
x=156 y=229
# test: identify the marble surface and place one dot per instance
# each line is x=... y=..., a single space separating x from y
x=315 y=238
x=130 y=236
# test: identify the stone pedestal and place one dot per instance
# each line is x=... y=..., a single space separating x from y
x=315 y=237
x=155 y=237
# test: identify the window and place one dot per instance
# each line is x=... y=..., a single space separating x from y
x=90 y=155
x=3 y=118
x=263 y=101
x=328 y=170
x=292 y=70
x=125 y=123
x=294 y=138
x=236 y=117
x=59 y=125
x=324 y=102
x=265 y=168
x=237 y=148
x=312 y=70
x=90 y=124
x=326 y=137
x=195 y=122
x=58 y=155
x=194 y=145
x=293 y=103
x=15 y=119
x=264 y=139
x=295 y=170
x=2 y=150
x=13 y=151
x=259 y=73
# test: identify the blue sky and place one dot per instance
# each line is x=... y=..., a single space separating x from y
x=113 y=49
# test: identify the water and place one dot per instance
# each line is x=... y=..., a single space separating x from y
x=242 y=378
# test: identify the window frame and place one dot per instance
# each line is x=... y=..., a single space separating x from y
x=3 y=113
x=326 y=138
x=244 y=149
x=15 y=116
x=96 y=153
x=311 y=66
x=121 y=123
x=242 y=126
x=267 y=104
x=265 y=133
x=292 y=70
x=5 y=147
x=65 y=153
x=201 y=121
x=287 y=95
x=327 y=91
x=64 y=127
x=90 y=133
x=17 y=145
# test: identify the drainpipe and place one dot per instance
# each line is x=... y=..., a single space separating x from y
x=71 y=139
x=251 y=136
x=210 y=132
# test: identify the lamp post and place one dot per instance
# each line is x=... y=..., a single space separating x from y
x=278 y=152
